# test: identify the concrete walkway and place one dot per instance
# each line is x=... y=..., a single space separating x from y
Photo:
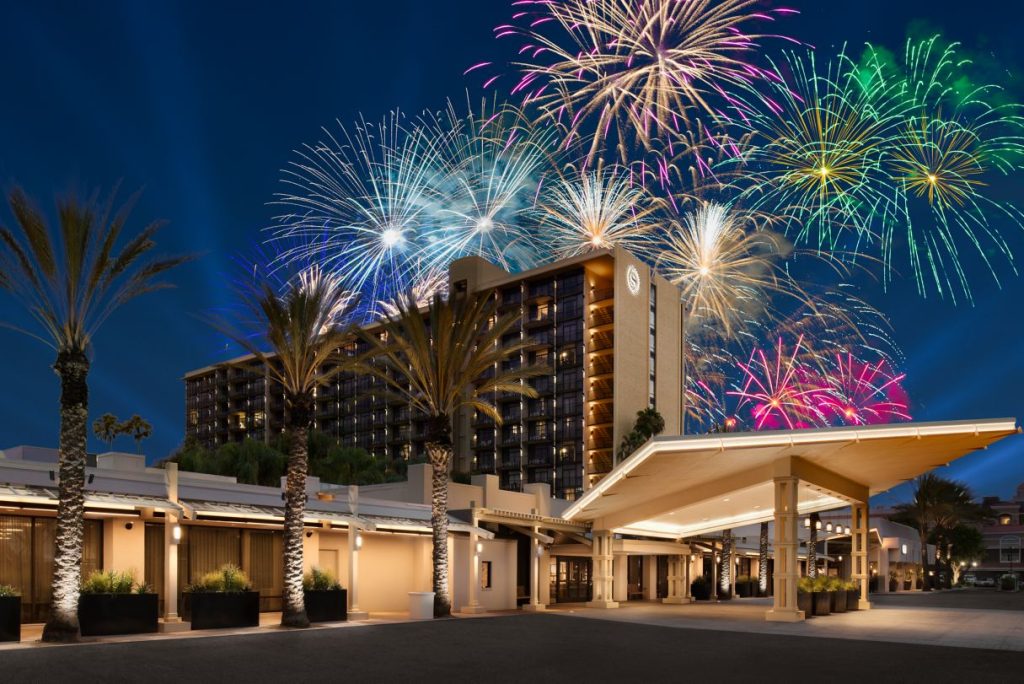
x=892 y=620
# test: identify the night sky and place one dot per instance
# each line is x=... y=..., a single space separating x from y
x=200 y=104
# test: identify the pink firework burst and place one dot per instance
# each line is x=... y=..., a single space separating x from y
x=854 y=392
x=779 y=389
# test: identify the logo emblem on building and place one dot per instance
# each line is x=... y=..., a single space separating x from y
x=633 y=279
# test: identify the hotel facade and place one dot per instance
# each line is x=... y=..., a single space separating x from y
x=606 y=327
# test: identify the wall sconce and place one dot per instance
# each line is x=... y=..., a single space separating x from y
x=807 y=522
x=540 y=550
x=359 y=541
x=128 y=525
x=828 y=527
x=479 y=547
x=904 y=549
x=309 y=535
x=176 y=534
x=839 y=529
x=840 y=559
x=817 y=524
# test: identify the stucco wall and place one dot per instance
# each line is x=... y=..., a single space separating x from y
x=631 y=354
x=502 y=555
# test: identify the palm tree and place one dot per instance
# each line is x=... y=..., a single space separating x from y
x=106 y=429
x=297 y=335
x=138 y=428
x=70 y=289
x=938 y=505
x=762 y=561
x=442 y=361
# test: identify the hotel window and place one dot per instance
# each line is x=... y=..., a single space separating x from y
x=485 y=574
x=1005 y=519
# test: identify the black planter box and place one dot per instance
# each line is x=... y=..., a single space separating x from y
x=10 y=618
x=326 y=606
x=218 y=610
x=822 y=603
x=746 y=589
x=837 y=601
x=103 y=614
x=700 y=591
x=805 y=602
x=852 y=599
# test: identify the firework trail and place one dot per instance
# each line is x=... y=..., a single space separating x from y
x=853 y=392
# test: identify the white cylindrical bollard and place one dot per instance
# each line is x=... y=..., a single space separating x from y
x=421 y=605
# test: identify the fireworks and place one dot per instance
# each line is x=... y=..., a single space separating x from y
x=856 y=393
x=594 y=210
x=778 y=389
x=492 y=162
x=724 y=263
x=360 y=202
x=637 y=72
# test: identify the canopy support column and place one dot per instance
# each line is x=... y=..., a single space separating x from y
x=603 y=560
x=535 y=552
x=861 y=571
x=784 y=606
x=473 y=576
x=354 y=544
x=676 y=580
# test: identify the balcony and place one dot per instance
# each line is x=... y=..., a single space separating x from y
x=602 y=296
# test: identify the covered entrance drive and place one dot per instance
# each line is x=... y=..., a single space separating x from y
x=679 y=487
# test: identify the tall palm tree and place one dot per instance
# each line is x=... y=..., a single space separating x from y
x=937 y=505
x=105 y=429
x=762 y=561
x=441 y=361
x=297 y=335
x=70 y=287
x=138 y=428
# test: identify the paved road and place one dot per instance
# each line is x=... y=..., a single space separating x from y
x=973 y=598
x=543 y=648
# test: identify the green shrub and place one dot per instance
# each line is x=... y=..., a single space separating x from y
x=229 y=580
x=320 y=580
x=1008 y=583
x=7 y=591
x=700 y=588
x=851 y=585
x=805 y=585
x=742 y=579
x=835 y=584
x=820 y=583
x=108 y=582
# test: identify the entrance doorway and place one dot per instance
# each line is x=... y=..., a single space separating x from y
x=635 y=583
x=571 y=580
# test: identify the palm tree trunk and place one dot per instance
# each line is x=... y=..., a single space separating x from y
x=925 y=585
x=762 y=561
x=62 y=624
x=293 y=613
x=725 y=580
x=439 y=450
x=812 y=548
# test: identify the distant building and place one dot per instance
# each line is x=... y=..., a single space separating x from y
x=606 y=326
x=1003 y=534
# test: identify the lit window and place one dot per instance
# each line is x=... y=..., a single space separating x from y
x=1004 y=519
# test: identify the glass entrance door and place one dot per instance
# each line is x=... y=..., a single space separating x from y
x=571 y=580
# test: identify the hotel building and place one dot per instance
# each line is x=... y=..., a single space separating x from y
x=608 y=329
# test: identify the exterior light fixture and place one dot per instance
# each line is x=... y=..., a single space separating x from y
x=840 y=559
x=540 y=551
x=904 y=549
x=479 y=547
x=828 y=527
x=974 y=564
x=359 y=541
x=817 y=524
x=176 y=534
x=807 y=522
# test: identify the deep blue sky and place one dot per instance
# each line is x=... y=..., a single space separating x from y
x=201 y=103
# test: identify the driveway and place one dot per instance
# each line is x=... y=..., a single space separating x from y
x=514 y=648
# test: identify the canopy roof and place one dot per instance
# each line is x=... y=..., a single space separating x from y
x=689 y=485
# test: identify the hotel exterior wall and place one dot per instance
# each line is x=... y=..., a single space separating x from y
x=501 y=554
x=632 y=370
x=669 y=379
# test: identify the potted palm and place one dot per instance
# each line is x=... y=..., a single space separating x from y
x=112 y=603
x=222 y=598
x=10 y=613
x=700 y=589
x=805 y=596
x=852 y=594
x=836 y=595
x=325 y=599
x=822 y=602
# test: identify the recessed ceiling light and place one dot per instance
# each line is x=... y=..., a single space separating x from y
x=756 y=507
x=725 y=499
x=705 y=519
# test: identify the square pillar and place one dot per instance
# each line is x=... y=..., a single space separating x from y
x=171 y=566
x=678 y=587
x=620 y=581
x=354 y=545
x=861 y=572
x=787 y=572
x=535 y=553
x=603 y=573
x=473 y=576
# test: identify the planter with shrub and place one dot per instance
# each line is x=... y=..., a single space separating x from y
x=1008 y=583
x=10 y=613
x=112 y=603
x=700 y=589
x=836 y=595
x=222 y=598
x=852 y=595
x=746 y=586
x=822 y=601
x=805 y=596
x=325 y=600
